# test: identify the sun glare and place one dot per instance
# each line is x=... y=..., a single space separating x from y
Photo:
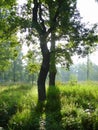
x=88 y=10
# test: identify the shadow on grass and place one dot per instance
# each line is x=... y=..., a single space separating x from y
x=9 y=100
x=43 y=116
x=47 y=114
x=53 y=108
x=14 y=88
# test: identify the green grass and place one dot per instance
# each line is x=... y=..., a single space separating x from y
x=68 y=107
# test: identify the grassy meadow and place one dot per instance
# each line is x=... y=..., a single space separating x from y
x=68 y=107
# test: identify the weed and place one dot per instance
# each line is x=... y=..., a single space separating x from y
x=68 y=107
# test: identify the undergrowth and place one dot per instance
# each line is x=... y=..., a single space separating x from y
x=68 y=107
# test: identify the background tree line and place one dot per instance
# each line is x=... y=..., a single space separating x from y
x=25 y=68
x=78 y=73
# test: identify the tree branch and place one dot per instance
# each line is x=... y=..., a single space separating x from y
x=41 y=19
x=54 y=20
x=35 y=10
x=35 y=23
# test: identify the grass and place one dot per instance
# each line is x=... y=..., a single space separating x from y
x=68 y=107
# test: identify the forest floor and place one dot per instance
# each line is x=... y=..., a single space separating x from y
x=68 y=107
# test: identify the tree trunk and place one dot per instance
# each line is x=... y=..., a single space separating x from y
x=52 y=69
x=88 y=67
x=44 y=70
x=14 y=71
x=52 y=76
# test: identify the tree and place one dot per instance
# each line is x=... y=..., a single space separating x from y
x=45 y=24
x=53 y=21
x=68 y=27
x=8 y=29
x=17 y=66
x=8 y=53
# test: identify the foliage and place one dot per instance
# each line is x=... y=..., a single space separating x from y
x=8 y=19
x=61 y=19
x=32 y=62
x=8 y=29
x=33 y=68
x=72 y=107
x=8 y=51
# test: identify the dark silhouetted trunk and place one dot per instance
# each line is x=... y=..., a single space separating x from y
x=52 y=69
x=88 y=67
x=44 y=70
x=14 y=71
x=52 y=76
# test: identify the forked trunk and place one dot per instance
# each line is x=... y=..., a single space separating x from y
x=43 y=71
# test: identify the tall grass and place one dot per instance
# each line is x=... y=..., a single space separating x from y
x=68 y=107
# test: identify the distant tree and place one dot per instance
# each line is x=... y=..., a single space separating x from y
x=82 y=72
x=17 y=67
x=7 y=52
x=94 y=73
x=33 y=65
x=8 y=33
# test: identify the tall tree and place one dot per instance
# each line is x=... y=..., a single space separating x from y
x=54 y=20
x=47 y=17
x=73 y=35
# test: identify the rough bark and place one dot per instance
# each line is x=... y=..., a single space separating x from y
x=52 y=69
x=52 y=76
x=44 y=70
